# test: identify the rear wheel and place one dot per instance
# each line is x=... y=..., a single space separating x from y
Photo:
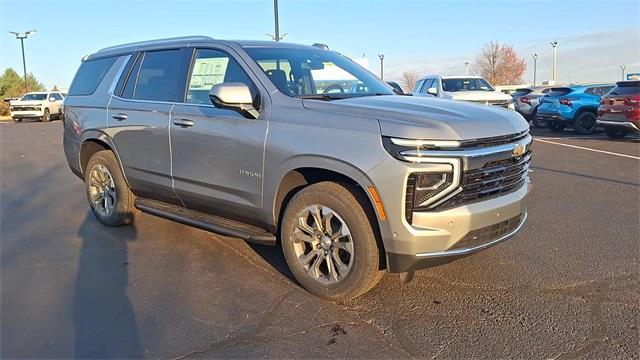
x=555 y=126
x=107 y=191
x=329 y=243
x=616 y=133
x=585 y=124
x=46 y=117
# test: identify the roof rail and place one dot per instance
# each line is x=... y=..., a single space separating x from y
x=158 y=41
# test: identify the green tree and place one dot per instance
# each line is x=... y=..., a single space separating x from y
x=12 y=84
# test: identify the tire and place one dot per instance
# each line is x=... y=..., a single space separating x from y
x=616 y=133
x=357 y=271
x=585 y=124
x=46 y=117
x=109 y=185
x=556 y=126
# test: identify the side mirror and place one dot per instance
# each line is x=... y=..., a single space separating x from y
x=432 y=91
x=233 y=96
x=52 y=99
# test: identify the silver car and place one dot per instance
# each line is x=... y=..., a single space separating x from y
x=265 y=142
x=526 y=102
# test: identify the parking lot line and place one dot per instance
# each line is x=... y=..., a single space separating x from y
x=588 y=149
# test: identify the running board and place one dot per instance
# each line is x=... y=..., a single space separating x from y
x=206 y=221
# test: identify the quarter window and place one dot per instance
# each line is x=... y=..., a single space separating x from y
x=212 y=67
x=90 y=75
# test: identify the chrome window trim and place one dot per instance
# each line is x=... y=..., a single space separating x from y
x=116 y=78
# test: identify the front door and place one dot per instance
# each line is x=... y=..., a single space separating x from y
x=217 y=154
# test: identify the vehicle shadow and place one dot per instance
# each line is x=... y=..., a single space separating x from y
x=105 y=325
x=274 y=256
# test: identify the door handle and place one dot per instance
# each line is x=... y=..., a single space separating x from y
x=183 y=122
x=120 y=117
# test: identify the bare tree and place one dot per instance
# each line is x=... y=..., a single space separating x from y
x=500 y=64
x=409 y=79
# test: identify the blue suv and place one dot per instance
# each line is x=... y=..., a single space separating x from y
x=575 y=105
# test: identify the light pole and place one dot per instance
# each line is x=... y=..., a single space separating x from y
x=554 y=71
x=381 y=56
x=24 y=62
x=535 y=66
x=466 y=68
x=622 y=67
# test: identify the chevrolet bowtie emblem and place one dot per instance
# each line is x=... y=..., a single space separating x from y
x=519 y=150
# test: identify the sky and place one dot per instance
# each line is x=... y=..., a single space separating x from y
x=429 y=37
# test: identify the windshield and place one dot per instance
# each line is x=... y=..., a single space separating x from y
x=322 y=74
x=28 y=97
x=466 y=84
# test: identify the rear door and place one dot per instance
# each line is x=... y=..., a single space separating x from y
x=138 y=120
x=218 y=153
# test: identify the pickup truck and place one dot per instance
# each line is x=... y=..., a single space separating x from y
x=237 y=138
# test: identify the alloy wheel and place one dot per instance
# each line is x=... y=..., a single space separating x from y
x=323 y=244
x=102 y=190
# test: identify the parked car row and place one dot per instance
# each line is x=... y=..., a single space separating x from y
x=615 y=107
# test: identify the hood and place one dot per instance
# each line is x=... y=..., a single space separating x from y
x=427 y=117
x=478 y=95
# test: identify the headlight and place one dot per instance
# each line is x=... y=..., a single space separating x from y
x=412 y=150
x=435 y=179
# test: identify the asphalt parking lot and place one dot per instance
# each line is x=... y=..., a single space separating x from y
x=567 y=287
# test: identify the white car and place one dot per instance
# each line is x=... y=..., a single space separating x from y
x=37 y=105
x=465 y=88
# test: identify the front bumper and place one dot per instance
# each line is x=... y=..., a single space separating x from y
x=27 y=114
x=628 y=125
x=449 y=235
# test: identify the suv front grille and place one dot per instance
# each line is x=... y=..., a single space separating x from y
x=494 y=179
x=503 y=103
x=495 y=140
x=487 y=234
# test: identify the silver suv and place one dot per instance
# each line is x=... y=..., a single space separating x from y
x=297 y=146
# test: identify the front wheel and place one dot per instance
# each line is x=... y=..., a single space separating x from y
x=46 y=117
x=329 y=242
x=107 y=191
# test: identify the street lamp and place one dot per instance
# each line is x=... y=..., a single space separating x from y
x=381 y=56
x=535 y=65
x=554 y=72
x=466 y=67
x=622 y=67
x=24 y=63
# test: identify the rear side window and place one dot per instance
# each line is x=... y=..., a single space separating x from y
x=627 y=88
x=554 y=92
x=162 y=76
x=90 y=75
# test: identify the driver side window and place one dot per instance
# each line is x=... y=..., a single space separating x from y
x=212 y=67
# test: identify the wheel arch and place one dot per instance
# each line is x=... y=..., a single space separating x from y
x=298 y=176
x=92 y=142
